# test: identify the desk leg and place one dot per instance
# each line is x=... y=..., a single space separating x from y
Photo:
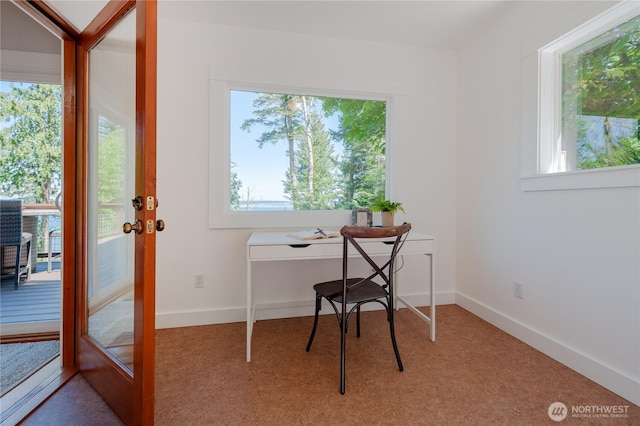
x=250 y=307
x=432 y=297
x=431 y=319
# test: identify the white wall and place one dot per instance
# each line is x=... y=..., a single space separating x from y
x=423 y=85
x=576 y=251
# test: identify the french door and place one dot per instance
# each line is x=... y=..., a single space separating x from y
x=117 y=207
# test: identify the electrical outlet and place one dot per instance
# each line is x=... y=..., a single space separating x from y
x=198 y=280
x=518 y=289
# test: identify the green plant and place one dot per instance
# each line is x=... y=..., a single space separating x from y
x=382 y=205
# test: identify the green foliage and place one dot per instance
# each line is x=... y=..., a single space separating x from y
x=382 y=205
x=31 y=142
x=279 y=114
x=112 y=157
x=361 y=120
x=362 y=130
x=625 y=152
x=608 y=83
x=605 y=82
x=315 y=168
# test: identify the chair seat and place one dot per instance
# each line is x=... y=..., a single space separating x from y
x=12 y=235
x=366 y=291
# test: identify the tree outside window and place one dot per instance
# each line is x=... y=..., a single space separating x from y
x=300 y=152
x=601 y=100
x=31 y=145
x=30 y=141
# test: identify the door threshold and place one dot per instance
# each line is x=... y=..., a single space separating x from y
x=28 y=395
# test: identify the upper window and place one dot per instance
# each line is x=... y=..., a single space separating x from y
x=590 y=97
x=291 y=158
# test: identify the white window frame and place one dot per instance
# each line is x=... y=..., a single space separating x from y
x=542 y=156
x=221 y=216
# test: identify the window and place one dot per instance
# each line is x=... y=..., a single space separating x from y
x=601 y=100
x=291 y=158
x=590 y=96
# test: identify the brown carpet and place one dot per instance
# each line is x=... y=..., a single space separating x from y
x=473 y=374
x=75 y=404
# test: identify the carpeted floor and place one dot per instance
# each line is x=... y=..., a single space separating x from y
x=473 y=374
x=19 y=360
x=76 y=404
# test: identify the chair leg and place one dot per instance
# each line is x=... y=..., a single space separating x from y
x=358 y=321
x=49 y=256
x=28 y=261
x=393 y=340
x=16 y=278
x=343 y=349
x=315 y=321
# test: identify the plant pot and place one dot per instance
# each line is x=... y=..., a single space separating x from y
x=387 y=219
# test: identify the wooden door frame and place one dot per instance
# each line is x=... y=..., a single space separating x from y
x=104 y=373
x=145 y=289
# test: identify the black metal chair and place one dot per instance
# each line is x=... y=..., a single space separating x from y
x=11 y=236
x=354 y=292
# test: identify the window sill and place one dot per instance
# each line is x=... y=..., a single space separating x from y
x=612 y=177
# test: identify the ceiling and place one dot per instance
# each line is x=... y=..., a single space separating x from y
x=438 y=24
x=79 y=13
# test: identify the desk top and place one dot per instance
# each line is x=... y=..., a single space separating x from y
x=280 y=238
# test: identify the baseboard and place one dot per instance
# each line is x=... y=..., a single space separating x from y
x=616 y=381
x=272 y=311
x=201 y=317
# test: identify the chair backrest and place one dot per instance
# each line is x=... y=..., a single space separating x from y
x=396 y=234
x=10 y=222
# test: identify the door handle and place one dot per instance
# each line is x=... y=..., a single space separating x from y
x=160 y=225
x=137 y=227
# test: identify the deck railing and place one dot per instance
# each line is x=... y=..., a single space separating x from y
x=110 y=219
x=40 y=219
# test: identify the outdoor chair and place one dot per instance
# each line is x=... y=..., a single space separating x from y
x=55 y=233
x=51 y=256
x=347 y=295
x=11 y=241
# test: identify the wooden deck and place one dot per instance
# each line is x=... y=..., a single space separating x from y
x=34 y=307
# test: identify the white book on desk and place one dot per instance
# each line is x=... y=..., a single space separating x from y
x=313 y=234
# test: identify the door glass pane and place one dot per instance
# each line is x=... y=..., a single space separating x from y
x=111 y=171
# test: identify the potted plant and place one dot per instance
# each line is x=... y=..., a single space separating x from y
x=387 y=208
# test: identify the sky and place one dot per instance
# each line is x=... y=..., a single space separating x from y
x=262 y=170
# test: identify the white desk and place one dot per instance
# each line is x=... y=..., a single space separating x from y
x=276 y=246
